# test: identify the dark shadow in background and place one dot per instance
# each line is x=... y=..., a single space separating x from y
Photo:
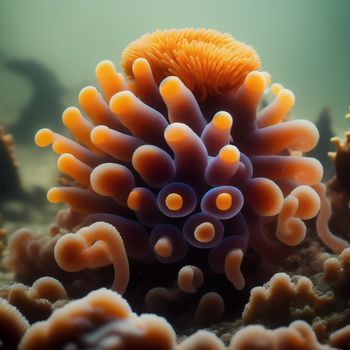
x=45 y=105
x=324 y=125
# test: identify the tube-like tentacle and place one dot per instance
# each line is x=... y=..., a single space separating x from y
x=191 y=156
x=134 y=235
x=182 y=105
x=97 y=109
x=297 y=135
x=302 y=170
x=109 y=79
x=145 y=86
x=147 y=158
x=115 y=143
x=217 y=133
x=327 y=237
x=143 y=121
x=90 y=247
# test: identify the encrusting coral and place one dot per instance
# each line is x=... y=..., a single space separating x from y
x=338 y=189
x=322 y=300
x=37 y=302
x=31 y=256
x=185 y=178
x=101 y=320
x=13 y=325
x=104 y=320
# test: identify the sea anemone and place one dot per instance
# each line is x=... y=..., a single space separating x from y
x=181 y=160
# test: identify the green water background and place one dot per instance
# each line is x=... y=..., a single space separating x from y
x=304 y=44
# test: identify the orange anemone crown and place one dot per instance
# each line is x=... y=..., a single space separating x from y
x=207 y=62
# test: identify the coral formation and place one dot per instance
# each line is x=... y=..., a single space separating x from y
x=321 y=301
x=101 y=320
x=104 y=320
x=292 y=301
x=37 y=302
x=186 y=176
x=298 y=335
x=30 y=256
x=13 y=325
x=338 y=190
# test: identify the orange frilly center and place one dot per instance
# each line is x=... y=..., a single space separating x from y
x=208 y=62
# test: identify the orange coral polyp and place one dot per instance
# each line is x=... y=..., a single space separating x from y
x=174 y=201
x=206 y=61
x=223 y=201
x=204 y=232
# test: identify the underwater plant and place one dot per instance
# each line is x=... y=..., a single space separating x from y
x=177 y=164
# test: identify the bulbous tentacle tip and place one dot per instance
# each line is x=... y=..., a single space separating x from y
x=121 y=102
x=170 y=87
x=222 y=120
x=44 y=137
x=53 y=195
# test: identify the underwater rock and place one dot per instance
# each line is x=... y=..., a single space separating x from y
x=45 y=101
x=188 y=171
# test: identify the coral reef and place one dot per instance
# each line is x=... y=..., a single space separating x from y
x=13 y=325
x=37 y=302
x=101 y=320
x=104 y=320
x=321 y=301
x=185 y=189
x=338 y=190
x=188 y=172
x=30 y=256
